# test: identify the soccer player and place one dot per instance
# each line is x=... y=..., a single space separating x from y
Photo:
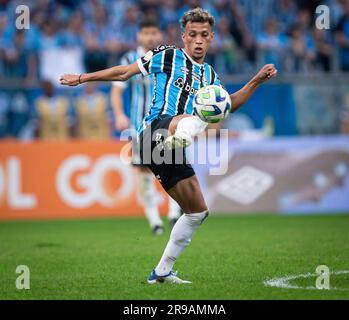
x=179 y=73
x=149 y=36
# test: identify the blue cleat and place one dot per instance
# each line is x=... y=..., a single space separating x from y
x=158 y=230
x=170 y=278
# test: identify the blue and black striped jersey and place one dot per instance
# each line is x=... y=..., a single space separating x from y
x=141 y=89
x=177 y=77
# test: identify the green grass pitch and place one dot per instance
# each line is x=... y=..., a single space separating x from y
x=229 y=258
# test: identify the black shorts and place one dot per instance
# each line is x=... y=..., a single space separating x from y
x=169 y=167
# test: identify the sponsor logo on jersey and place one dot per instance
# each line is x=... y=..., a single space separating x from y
x=163 y=47
x=179 y=83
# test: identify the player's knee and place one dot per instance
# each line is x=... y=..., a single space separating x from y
x=197 y=207
x=198 y=218
x=199 y=204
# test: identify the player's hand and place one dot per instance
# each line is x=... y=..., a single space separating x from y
x=70 y=80
x=266 y=73
x=121 y=122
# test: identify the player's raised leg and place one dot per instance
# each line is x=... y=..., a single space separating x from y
x=182 y=129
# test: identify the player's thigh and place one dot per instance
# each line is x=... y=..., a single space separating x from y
x=188 y=195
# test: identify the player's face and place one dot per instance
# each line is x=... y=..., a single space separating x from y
x=149 y=37
x=197 y=38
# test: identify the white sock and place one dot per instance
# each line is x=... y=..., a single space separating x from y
x=147 y=192
x=192 y=126
x=174 y=210
x=180 y=238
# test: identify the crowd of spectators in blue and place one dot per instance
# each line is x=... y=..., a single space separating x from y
x=248 y=33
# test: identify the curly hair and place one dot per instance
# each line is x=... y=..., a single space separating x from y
x=197 y=15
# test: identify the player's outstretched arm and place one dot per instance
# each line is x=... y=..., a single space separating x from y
x=240 y=97
x=117 y=73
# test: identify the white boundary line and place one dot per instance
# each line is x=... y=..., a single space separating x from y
x=284 y=281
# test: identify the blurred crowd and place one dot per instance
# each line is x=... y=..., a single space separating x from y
x=48 y=114
x=88 y=35
x=248 y=33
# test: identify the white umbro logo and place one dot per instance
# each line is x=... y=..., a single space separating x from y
x=246 y=185
x=185 y=70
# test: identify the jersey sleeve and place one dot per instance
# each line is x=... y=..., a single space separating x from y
x=125 y=60
x=156 y=60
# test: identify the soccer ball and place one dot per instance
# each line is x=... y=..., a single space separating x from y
x=212 y=104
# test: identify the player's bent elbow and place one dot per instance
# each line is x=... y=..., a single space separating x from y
x=123 y=77
x=118 y=73
x=234 y=108
x=129 y=71
x=234 y=104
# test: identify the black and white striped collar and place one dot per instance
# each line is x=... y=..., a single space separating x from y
x=191 y=59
